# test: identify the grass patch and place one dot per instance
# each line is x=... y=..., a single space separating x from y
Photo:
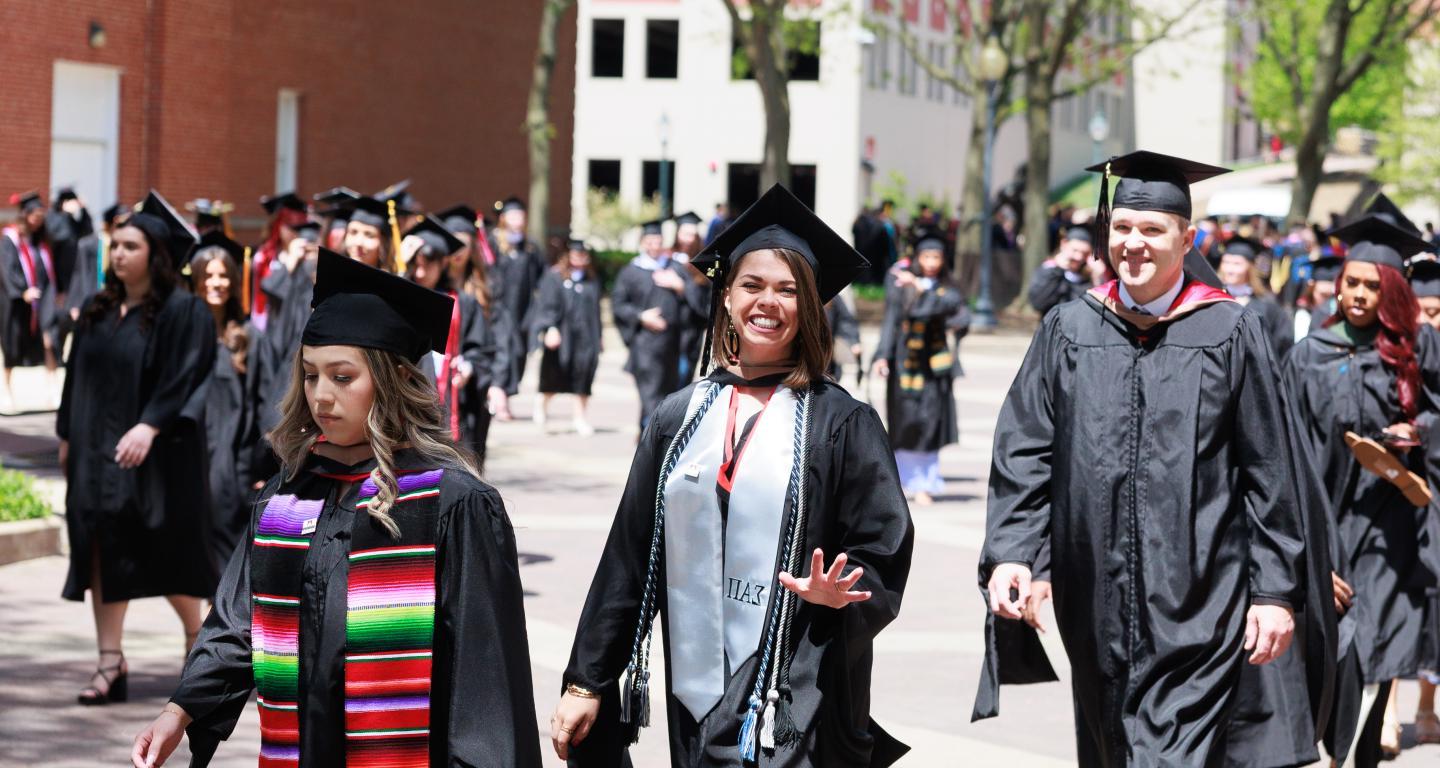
x=18 y=498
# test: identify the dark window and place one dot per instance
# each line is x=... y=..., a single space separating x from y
x=662 y=49
x=743 y=184
x=605 y=174
x=802 y=59
x=607 y=48
x=650 y=179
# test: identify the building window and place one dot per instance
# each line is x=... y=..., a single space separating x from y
x=882 y=53
x=802 y=60
x=604 y=175
x=650 y=179
x=909 y=72
x=662 y=49
x=287 y=140
x=743 y=184
x=607 y=48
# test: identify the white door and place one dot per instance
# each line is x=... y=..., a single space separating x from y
x=85 y=132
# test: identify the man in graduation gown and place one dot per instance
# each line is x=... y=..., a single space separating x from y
x=654 y=300
x=1174 y=534
x=1063 y=278
x=519 y=263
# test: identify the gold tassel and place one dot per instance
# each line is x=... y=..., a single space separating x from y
x=395 y=238
x=245 y=282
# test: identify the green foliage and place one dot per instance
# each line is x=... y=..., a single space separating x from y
x=18 y=498
x=608 y=264
x=1372 y=102
x=868 y=292
x=801 y=37
x=896 y=188
x=1410 y=148
x=611 y=218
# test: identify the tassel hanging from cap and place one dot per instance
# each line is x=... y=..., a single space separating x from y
x=716 y=274
x=245 y=281
x=395 y=238
x=1102 y=220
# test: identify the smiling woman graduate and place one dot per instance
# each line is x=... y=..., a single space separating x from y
x=740 y=481
x=376 y=607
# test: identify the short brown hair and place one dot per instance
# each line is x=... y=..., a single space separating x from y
x=813 y=345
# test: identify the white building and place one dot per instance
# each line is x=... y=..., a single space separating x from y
x=866 y=105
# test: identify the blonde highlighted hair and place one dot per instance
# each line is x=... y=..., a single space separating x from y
x=405 y=413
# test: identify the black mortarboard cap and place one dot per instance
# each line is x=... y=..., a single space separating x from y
x=930 y=244
x=576 y=244
x=653 y=227
x=112 y=213
x=1374 y=240
x=1326 y=268
x=376 y=213
x=1386 y=209
x=1079 y=233
x=436 y=236
x=27 y=200
x=1425 y=277
x=337 y=196
x=779 y=220
x=360 y=306
x=273 y=203
x=208 y=212
x=400 y=193
x=459 y=218
x=511 y=203
x=688 y=217
x=181 y=237
x=64 y=194
x=308 y=230
x=217 y=239
x=1244 y=247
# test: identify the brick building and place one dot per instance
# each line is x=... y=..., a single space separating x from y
x=232 y=99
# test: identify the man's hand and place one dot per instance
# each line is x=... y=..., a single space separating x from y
x=1344 y=593
x=1268 y=632
x=498 y=403
x=1005 y=577
x=651 y=320
x=32 y=295
x=881 y=368
x=1039 y=596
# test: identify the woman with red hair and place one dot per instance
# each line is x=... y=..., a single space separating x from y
x=287 y=212
x=1371 y=371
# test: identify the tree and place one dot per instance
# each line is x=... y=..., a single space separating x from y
x=1320 y=63
x=1041 y=39
x=537 y=117
x=1411 y=148
x=766 y=39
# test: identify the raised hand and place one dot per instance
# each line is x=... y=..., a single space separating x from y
x=827 y=587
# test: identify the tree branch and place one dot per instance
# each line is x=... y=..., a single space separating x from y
x=1356 y=67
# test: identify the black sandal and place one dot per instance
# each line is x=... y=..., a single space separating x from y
x=117 y=688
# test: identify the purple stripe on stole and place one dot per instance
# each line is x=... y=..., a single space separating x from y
x=407 y=483
x=279 y=751
x=285 y=515
x=386 y=704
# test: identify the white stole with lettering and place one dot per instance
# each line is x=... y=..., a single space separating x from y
x=719 y=583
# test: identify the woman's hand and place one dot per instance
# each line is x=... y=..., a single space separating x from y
x=824 y=587
x=552 y=338
x=881 y=369
x=1344 y=593
x=1403 y=436
x=134 y=446
x=571 y=723
x=154 y=745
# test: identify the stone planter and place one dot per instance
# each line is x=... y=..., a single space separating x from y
x=28 y=539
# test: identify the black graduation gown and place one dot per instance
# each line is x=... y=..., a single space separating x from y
x=482 y=710
x=573 y=308
x=493 y=361
x=225 y=408
x=514 y=277
x=924 y=419
x=1168 y=514
x=477 y=347
x=857 y=507
x=20 y=345
x=844 y=328
x=150 y=522
x=1278 y=325
x=85 y=277
x=654 y=357
x=288 y=298
x=1049 y=288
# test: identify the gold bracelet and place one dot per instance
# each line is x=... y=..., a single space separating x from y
x=581 y=692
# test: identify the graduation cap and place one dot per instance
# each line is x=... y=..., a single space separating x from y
x=511 y=203
x=400 y=193
x=1079 y=233
x=1244 y=247
x=65 y=194
x=209 y=212
x=1326 y=268
x=576 y=244
x=1387 y=210
x=178 y=235
x=337 y=196
x=439 y=239
x=290 y=200
x=1374 y=240
x=1150 y=181
x=112 y=213
x=688 y=217
x=217 y=239
x=655 y=227
x=308 y=230
x=1425 y=277
x=459 y=219
x=376 y=213
x=930 y=244
x=27 y=201
x=360 y=306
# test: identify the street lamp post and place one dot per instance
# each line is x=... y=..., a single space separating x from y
x=993 y=63
x=664 y=165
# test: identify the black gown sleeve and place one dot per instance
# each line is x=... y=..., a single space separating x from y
x=12 y=274
x=501 y=334
x=937 y=302
x=183 y=349
x=550 y=304
x=480 y=623
x=890 y=326
x=843 y=323
x=1047 y=289
x=626 y=303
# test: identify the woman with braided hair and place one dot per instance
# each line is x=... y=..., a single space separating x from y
x=375 y=604
x=745 y=487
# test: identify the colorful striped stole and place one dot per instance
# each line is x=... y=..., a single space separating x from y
x=282 y=540
x=389 y=628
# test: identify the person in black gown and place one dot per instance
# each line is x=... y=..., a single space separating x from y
x=1065 y=277
x=653 y=300
x=1425 y=282
x=135 y=498
x=288 y=288
x=1243 y=281
x=1112 y=504
x=916 y=362
x=810 y=481
x=92 y=254
x=376 y=606
x=225 y=405
x=519 y=263
x=1372 y=370
x=66 y=224
x=27 y=270
x=567 y=317
x=487 y=397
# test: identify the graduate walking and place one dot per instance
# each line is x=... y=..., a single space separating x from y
x=376 y=606
x=519 y=263
x=763 y=521
x=567 y=317
x=27 y=270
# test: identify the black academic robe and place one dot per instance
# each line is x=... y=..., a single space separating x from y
x=919 y=418
x=855 y=506
x=572 y=307
x=1050 y=287
x=1168 y=513
x=496 y=332
x=482 y=710
x=515 y=275
x=20 y=343
x=288 y=296
x=87 y=275
x=845 y=329
x=1278 y=325
x=654 y=357
x=225 y=408
x=476 y=346
x=151 y=522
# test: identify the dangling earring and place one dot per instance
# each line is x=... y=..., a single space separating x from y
x=732 y=342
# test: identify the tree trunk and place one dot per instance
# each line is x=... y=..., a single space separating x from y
x=537 y=119
x=1315 y=114
x=1309 y=164
x=972 y=202
x=1036 y=226
x=766 y=48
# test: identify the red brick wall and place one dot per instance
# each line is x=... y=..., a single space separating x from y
x=433 y=90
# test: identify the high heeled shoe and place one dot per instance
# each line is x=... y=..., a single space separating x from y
x=117 y=683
